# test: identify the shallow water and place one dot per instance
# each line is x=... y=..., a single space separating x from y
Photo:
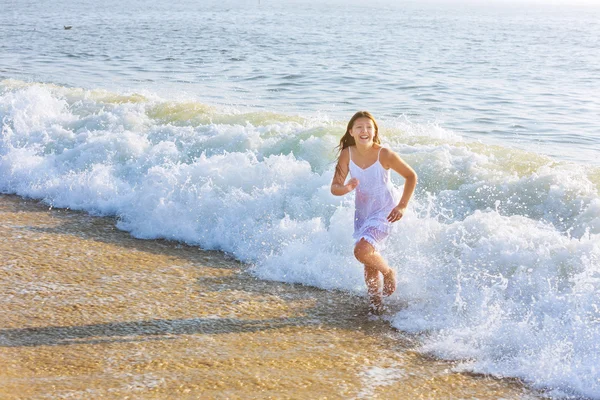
x=497 y=256
x=90 y=312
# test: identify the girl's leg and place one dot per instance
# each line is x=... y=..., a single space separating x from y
x=366 y=254
x=374 y=289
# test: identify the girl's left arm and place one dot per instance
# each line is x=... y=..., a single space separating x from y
x=389 y=159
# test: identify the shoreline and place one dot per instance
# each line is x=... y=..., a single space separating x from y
x=91 y=312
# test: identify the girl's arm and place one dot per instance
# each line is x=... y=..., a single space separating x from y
x=341 y=172
x=389 y=159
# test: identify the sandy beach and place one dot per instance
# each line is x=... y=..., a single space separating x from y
x=89 y=312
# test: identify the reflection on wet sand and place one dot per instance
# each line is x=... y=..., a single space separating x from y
x=89 y=312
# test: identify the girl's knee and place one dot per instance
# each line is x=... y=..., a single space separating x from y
x=363 y=250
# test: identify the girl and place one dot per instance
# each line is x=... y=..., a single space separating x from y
x=376 y=207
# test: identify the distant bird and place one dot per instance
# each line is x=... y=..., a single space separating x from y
x=67 y=27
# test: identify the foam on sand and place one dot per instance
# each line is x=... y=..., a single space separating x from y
x=498 y=260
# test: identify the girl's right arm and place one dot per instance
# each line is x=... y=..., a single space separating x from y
x=338 y=188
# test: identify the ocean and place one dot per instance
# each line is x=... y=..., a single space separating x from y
x=215 y=124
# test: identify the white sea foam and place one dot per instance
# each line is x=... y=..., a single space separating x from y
x=499 y=258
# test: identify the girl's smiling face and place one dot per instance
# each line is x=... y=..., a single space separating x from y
x=363 y=131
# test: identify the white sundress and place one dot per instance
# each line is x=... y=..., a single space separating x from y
x=374 y=200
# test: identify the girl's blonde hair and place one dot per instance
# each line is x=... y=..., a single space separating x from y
x=347 y=140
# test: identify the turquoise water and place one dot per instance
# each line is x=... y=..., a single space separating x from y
x=522 y=76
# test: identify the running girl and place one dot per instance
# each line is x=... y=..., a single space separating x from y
x=376 y=205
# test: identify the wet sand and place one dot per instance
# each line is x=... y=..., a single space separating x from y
x=88 y=312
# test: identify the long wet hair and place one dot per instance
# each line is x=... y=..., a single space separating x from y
x=347 y=140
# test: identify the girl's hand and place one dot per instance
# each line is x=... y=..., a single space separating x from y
x=396 y=214
x=352 y=184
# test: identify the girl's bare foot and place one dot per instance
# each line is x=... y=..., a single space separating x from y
x=375 y=305
x=389 y=282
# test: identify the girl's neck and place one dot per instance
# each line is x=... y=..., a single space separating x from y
x=364 y=150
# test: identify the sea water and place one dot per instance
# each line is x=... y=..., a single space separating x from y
x=215 y=124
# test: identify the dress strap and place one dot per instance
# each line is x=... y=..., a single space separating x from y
x=378 y=153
